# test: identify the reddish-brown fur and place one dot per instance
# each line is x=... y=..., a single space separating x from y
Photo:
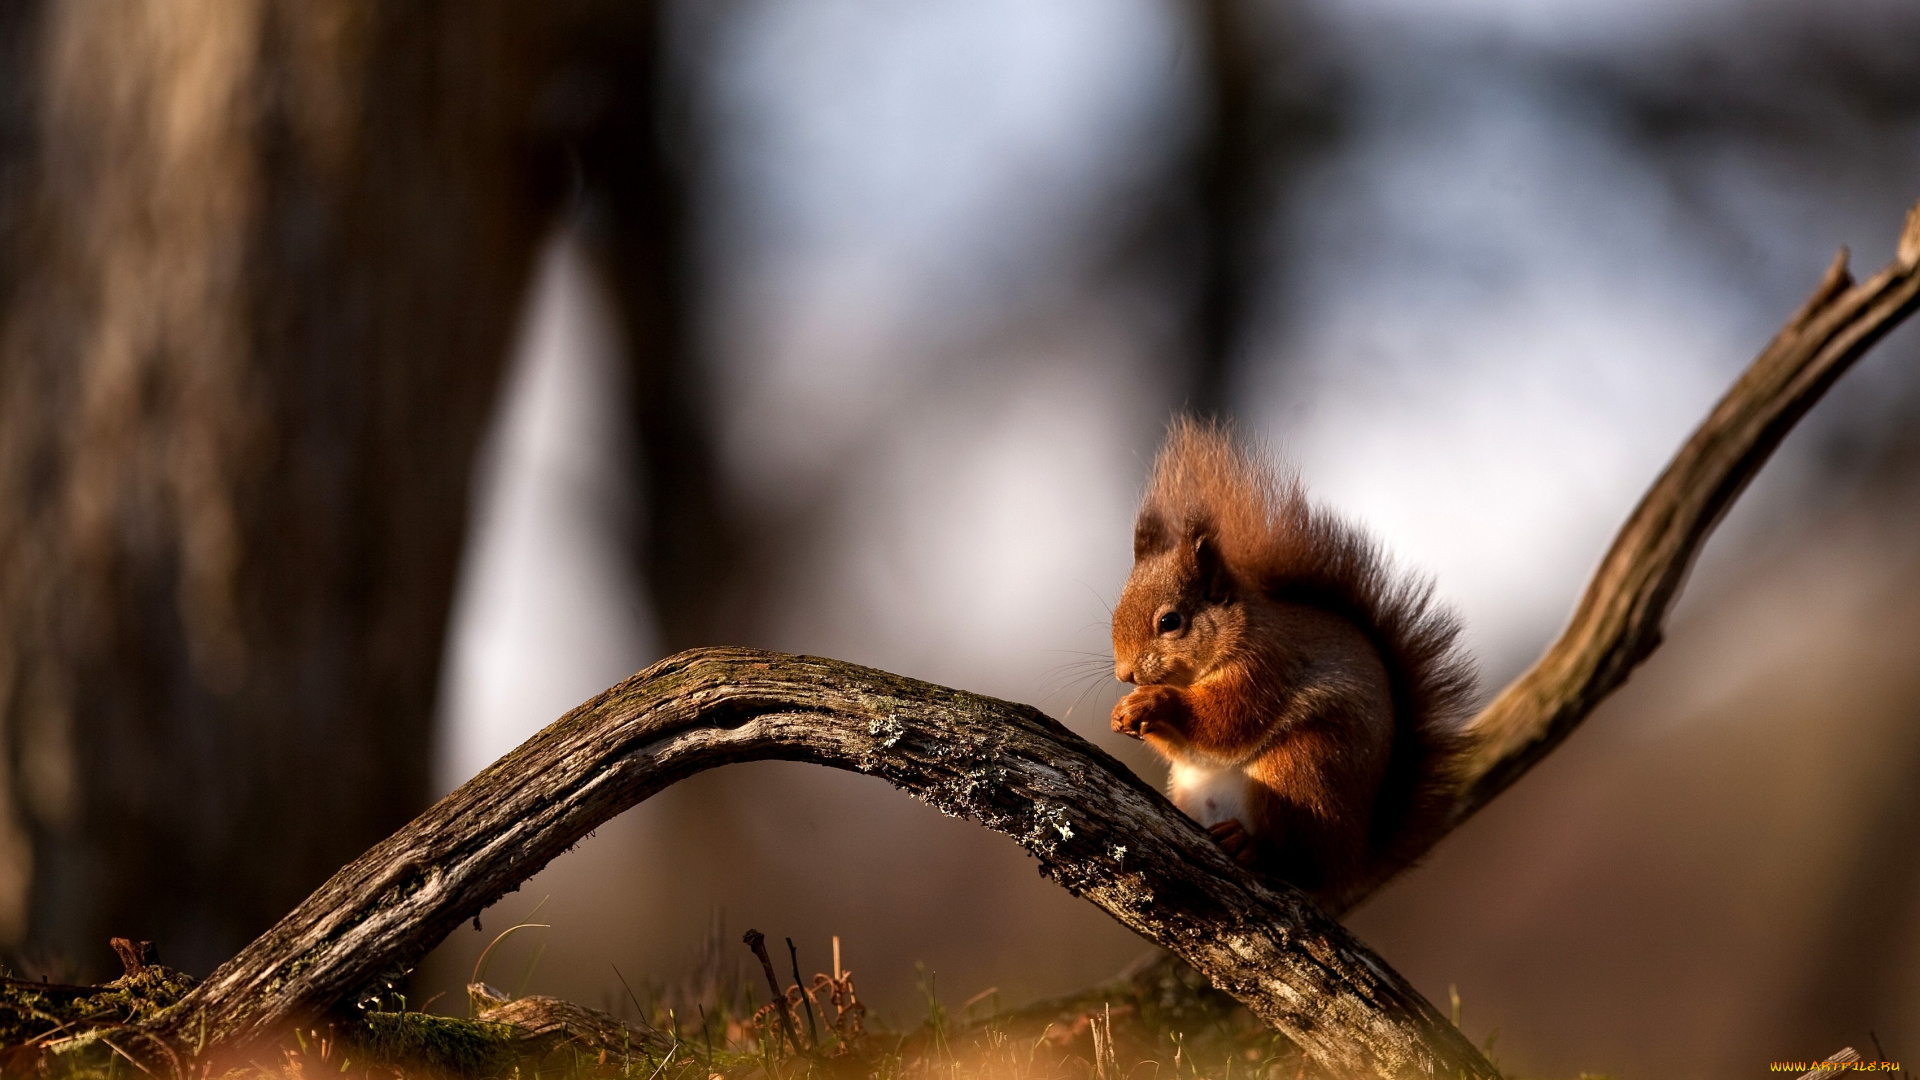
x=1307 y=697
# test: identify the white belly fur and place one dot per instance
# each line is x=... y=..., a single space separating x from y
x=1209 y=794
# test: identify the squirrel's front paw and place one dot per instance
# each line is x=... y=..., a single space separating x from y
x=1146 y=710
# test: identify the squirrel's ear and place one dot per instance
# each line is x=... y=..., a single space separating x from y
x=1150 y=535
x=1210 y=570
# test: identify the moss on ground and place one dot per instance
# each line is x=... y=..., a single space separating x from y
x=78 y=1024
x=440 y=1044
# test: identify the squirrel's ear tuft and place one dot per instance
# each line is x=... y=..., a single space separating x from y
x=1150 y=535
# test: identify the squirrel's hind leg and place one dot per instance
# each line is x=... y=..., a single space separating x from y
x=1234 y=839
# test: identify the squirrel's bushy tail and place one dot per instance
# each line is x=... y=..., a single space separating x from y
x=1272 y=538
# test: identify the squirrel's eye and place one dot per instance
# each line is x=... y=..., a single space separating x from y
x=1171 y=622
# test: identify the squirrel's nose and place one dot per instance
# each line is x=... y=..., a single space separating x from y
x=1123 y=670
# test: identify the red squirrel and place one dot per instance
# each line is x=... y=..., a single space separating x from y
x=1307 y=697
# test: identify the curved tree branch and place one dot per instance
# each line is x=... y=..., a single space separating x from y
x=1097 y=830
x=1618 y=622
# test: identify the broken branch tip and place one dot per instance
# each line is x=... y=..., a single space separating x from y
x=1909 y=251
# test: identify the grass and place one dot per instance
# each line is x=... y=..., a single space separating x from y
x=1157 y=1021
x=1160 y=1020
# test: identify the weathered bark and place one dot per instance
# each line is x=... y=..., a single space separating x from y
x=1096 y=829
x=543 y=1022
x=271 y=256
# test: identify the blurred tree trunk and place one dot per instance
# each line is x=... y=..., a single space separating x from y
x=633 y=151
x=1268 y=106
x=263 y=260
